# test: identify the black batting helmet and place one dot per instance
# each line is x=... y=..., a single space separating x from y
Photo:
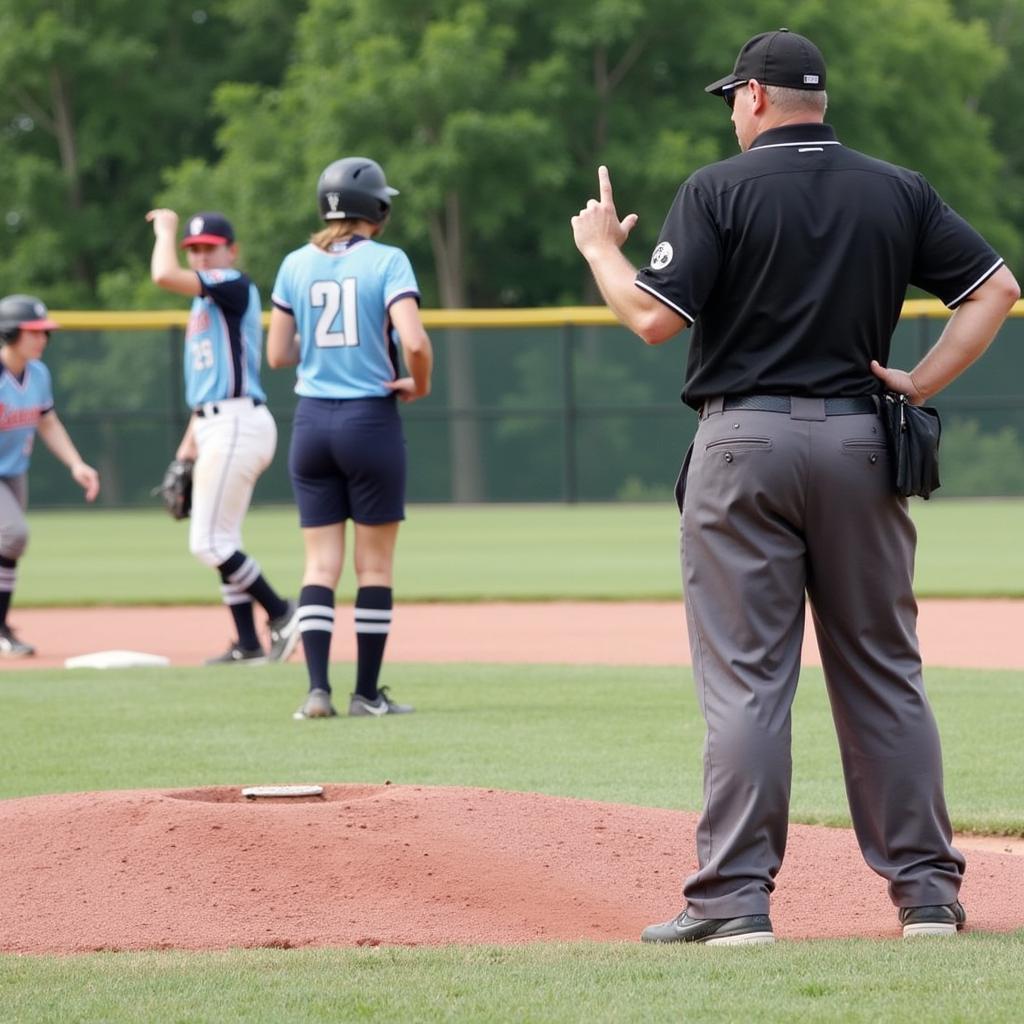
x=354 y=189
x=23 y=312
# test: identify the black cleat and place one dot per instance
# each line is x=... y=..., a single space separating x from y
x=942 y=920
x=236 y=654
x=284 y=634
x=12 y=647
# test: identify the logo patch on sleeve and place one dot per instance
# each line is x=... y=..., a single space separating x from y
x=662 y=256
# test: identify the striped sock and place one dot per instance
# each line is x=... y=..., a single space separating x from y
x=373 y=623
x=233 y=593
x=245 y=572
x=8 y=577
x=316 y=624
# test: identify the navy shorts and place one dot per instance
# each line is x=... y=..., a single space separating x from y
x=347 y=461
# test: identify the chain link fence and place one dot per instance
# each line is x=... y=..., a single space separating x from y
x=558 y=405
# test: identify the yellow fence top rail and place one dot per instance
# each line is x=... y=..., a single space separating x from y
x=553 y=316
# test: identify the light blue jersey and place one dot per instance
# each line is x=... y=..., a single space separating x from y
x=340 y=301
x=22 y=402
x=224 y=341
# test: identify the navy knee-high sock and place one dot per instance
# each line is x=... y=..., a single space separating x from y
x=373 y=623
x=316 y=624
x=239 y=603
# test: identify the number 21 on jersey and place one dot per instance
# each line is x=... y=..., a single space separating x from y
x=332 y=297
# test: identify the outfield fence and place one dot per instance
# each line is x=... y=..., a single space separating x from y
x=532 y=405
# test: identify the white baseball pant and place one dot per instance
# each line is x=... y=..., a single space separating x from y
x=236 y=441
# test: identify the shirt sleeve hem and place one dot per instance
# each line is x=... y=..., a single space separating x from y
x=977 y=284
x=279 y=303
x=406 y=293
x=668 y=302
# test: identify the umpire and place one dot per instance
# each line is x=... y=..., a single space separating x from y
x=791 y=262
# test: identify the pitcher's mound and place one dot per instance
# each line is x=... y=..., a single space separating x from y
x=400 y=865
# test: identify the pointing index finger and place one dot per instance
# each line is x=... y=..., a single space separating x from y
x=604 y=184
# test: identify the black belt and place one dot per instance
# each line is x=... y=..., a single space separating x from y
x=781 y=403
x=200 y=410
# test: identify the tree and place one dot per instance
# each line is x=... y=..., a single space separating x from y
x=98 y=98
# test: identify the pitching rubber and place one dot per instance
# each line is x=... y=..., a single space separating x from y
x=253 y=792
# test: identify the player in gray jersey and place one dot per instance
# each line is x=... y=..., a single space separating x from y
x=26 y=409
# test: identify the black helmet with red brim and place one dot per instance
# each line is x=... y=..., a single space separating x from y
x=23 y=313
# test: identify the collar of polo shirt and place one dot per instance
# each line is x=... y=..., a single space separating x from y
x=810 y=134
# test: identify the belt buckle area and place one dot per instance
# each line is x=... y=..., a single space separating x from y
x=803 y=408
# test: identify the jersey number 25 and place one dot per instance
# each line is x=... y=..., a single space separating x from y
x=332 y=297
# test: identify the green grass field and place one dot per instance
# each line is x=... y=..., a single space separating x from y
x=551 y=729
x=817 y=982
x=478 y=553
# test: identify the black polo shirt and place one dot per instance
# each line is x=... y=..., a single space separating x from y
x=792 y=261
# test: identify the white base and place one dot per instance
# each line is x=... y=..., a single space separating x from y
x=116 y=659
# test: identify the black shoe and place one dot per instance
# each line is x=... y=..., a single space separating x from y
x=714 y=931
x=943 y=920
x=236 y=654
x=284 y=634
x=12 y=647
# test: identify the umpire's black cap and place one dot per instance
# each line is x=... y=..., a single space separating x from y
x=776 y=58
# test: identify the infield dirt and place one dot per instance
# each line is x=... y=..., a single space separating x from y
x=401 y=865
x=954 y=633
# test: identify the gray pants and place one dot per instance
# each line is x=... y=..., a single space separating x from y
x=777 y=506
x=13 y=527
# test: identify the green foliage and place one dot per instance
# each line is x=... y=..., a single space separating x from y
x=491 y=117
x=493 y=120
x=98 y=99
x=973 y=462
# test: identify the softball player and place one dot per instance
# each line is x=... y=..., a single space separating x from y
x=26 y=409
x=337 y=305
x=231 y=434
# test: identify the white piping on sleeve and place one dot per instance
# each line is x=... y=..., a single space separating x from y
x=667 y=302
x=981 y=280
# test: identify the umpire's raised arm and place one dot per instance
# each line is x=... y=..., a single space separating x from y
x=599 y=236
